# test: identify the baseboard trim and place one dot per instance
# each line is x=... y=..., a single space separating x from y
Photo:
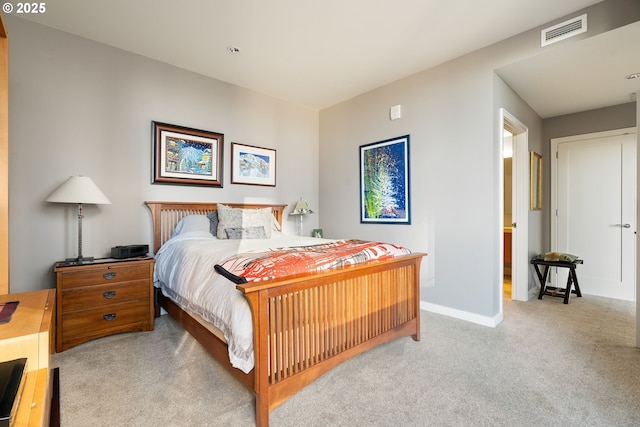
x=534 y=292
x=491 y=322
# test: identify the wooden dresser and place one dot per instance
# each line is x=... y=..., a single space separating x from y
x=30 y=334
x=103 y=297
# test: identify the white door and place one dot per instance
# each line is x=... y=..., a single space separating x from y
x=596 y=206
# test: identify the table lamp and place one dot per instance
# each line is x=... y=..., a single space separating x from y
x=301 y=209
x=79 y=189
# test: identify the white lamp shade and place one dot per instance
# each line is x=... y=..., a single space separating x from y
x=301 y=208
x=78 y=189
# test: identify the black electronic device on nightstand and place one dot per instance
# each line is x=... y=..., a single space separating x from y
x=129 y=251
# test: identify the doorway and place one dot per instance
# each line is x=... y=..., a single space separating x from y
x=519 y=226
x=594 y=201
x=507 y=152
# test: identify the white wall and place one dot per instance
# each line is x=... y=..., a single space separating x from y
x=505 y=98
x=81 y=108
x=448 y=112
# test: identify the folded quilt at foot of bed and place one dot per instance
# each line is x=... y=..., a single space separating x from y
x=283 y=262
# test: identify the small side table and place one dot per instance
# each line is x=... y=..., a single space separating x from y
x=572 y=279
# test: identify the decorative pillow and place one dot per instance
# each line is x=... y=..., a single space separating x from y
x=557 y=256
x=229 y=217
x=246 y=233
x=213 y=222
x=191 y=223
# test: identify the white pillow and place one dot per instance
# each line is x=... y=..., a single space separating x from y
x=191 y=223
x=229 y=217
x=245 y=233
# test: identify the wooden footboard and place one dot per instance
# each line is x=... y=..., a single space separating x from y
x=306 y=325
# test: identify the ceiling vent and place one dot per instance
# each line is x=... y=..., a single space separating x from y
x=564 y=30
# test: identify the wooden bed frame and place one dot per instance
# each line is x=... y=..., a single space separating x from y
x=303 y=326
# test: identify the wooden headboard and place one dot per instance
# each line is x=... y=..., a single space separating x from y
x=166 y=215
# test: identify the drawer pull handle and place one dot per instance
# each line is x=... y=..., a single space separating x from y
x=109 y=294
x=109 y=276
x=109 y=317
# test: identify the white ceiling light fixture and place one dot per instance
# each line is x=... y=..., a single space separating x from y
x=633 y=76
x=233 y=49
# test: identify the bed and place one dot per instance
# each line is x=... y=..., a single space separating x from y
x=303 y=325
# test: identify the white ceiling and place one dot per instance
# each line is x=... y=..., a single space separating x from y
x=318 y=53
x=579 y=76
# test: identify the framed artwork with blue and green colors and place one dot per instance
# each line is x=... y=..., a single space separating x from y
x=384 y=182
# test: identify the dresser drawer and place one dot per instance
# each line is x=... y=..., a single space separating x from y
x=105 y=274
x=105 y=320
x=82 y=298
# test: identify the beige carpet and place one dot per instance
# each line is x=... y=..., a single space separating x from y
x=546 y=364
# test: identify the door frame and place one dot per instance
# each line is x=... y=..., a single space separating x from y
x=520 y=195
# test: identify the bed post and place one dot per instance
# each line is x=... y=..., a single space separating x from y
x=416 y=285
x=155 y=218
x=261 y=359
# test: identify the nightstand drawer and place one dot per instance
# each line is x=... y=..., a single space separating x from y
x=104 y=320
x=86 y=297
x=105 y=274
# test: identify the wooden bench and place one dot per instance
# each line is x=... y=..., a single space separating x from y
x=572 y=279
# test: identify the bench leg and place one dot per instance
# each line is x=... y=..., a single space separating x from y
x=567 y=291
x=572 y=280
x=542 y=278
x=572 y=271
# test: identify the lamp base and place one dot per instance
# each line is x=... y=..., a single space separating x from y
x=79 y=260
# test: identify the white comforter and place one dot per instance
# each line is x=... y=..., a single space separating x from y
x=184 y=271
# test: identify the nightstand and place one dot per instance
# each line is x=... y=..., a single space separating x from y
x=104 y=297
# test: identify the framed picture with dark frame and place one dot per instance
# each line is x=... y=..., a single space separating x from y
x=253 y=165
x=186 y=156
x=384 y=182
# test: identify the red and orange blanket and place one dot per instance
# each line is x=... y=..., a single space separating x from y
x=283 y=262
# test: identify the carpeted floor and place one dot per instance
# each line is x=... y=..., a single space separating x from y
x=546 y=364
